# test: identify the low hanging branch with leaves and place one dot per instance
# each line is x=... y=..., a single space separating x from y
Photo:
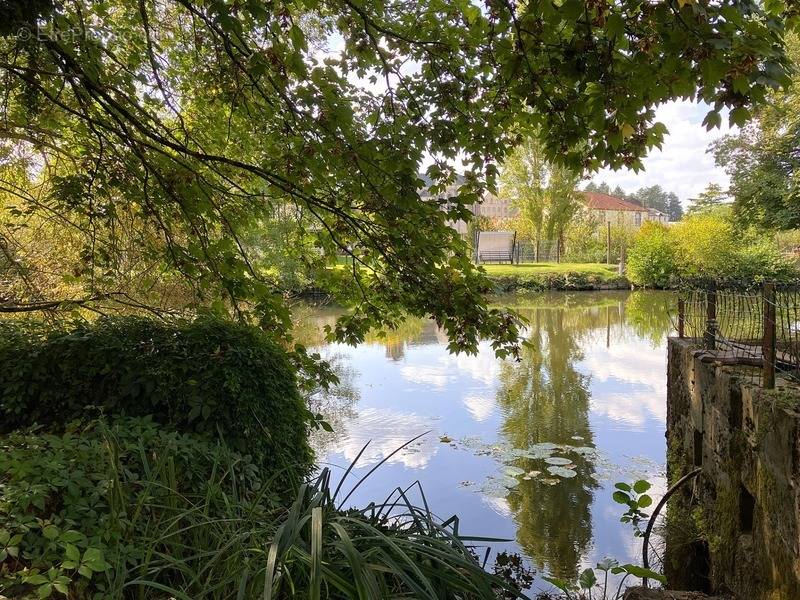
x=163 y=144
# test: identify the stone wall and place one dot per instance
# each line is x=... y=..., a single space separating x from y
x=736 y=526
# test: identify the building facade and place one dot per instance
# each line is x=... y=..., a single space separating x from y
x=605 y=208
x=618 y=211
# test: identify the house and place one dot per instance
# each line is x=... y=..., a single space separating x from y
x=657 y=215
x=494 y=207
x=604 y=208
x=618 y=211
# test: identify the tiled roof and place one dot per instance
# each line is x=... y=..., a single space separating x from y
x=600 y=201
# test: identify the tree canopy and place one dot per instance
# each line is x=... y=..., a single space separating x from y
x=763 y=162
x=543 y=191
x=708 y=200
x=147 y=142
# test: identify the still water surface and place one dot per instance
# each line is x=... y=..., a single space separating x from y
x=528 y=450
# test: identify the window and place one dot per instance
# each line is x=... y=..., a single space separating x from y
x=638 y=218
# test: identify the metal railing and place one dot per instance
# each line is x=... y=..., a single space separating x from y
x=758 y=329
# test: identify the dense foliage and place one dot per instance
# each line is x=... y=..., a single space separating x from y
x=207 y=376
x=651 y=260
x=566 y=281
x=586 y=240
x=706 y=248
x=132 y=509
x=104 y=507
x=543 y=192
x=152 y=139
x=763 y=162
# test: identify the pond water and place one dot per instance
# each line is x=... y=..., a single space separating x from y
x=528 y=451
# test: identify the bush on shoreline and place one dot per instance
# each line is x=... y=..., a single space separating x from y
x=705 y=249
x=213 y=378
x=540 y=282
x=108 y=508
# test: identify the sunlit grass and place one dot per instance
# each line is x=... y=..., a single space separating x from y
x=607 y=271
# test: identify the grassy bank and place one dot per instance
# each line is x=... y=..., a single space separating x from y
x=554 y=276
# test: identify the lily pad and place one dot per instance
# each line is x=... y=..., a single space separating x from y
x=543 y=446
x=584 y=450
x=557 y=460
x=550 y=481
x=495 y=491
x=561 y=472
x=511 y=471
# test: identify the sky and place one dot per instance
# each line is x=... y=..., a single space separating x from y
x=683 y=165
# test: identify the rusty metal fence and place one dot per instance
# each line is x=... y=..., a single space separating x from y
x=757 y=329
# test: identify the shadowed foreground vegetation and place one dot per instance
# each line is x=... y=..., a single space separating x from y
x=146 y=459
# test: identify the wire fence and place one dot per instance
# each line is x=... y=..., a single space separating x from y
x=757 y=331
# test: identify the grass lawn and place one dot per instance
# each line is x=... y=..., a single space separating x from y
x=545 y=268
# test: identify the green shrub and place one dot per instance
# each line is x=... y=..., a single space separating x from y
x=705 y=246
x=585 y=241
x=761 y=260
x=207 y=376
x=132 y=509
x=540 y=282
x=96 y=508
x=651 y=259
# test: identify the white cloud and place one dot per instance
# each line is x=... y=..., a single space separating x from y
x=480 y=407
x=434 y=376
x=683 y=165
x=386 y=431
x=481 y=368
x=498 y=505
x=642 y=374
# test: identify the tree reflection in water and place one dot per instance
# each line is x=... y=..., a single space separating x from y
x=543 y=398
x=546 y=399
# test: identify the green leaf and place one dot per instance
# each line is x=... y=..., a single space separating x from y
x=72 y=553
x=61 y=587
x=472 y=13
x=71 y=536
x=85 y=571
x=44 y=591
x=572 y=9
x=641 y=486
x=641 y=572
x=712 y=119
x=645 y=501
x=93 y=558
x=622 y=486
x=739 y=116
x=561 y=584
x=621 y=497
x=615 y=25
x=588 y=579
